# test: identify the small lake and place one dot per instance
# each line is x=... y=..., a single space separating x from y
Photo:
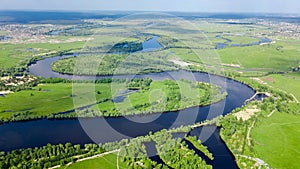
x=122 y=95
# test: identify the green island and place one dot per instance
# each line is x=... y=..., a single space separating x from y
x=260 y=134
x=111 y=64
x=147 y=97
x=197 y=143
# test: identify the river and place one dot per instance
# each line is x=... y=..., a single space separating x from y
x=38 y=133
x=228 y=43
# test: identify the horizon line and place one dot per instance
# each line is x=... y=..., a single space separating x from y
x=163 y=11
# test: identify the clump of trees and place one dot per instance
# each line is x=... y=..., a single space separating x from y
x=126 y=47
x=13 y=71
x=139 y=84
x=135 y=156
x=112 y=64
x=173 y=95
x=168 y=42
x=197 y=143
x=97 y=81
x=175 y=153
x=47 y=156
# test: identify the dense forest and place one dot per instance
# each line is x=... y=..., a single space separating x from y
x=126 y=47
x=173 y=152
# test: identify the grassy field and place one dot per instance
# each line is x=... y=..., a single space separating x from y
x=219 y=26
x=241 y=39
x=262 y=57
x=14 y=55
x=163 y=96
x=186 y=55
x=109 y=64
x=276 y=140
x=47 y=99
x=287 y=82
x=106 y=162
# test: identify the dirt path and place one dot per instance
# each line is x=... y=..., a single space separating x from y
x=297 y=101
x=248 y=133
x=98 y=155
x=118 y=160
x=57 y=166
x=257 y=160
x=269 y=115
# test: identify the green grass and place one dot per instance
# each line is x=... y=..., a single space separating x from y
x=156 y=98
x=241 y=39
x=276 y=140
x=160 y=91
x=12 y=55
x=186 y=55
x=287 y=82
x=109 y=64
x=106 y=162
x=47 y=99
x=261 y=57
x=197 y=143
x=212 y=27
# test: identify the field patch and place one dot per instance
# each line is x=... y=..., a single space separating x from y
x=276 y=140
x=287 y=82
x=106 y=162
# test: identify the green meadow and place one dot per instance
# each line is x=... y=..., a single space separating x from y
x=106 y=162
x=47 y=99
x=265 y=58
x=241 y=39
x=15 y=55
x=273 y=139
x=276 y=140
x=287 y=82
x=168 y=95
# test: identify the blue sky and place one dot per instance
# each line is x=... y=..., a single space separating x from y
x=265 y=6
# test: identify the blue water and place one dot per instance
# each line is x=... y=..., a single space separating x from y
x=226 y=44
x=151 y=44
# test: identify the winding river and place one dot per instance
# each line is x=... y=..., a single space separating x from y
x=228 y=41
x=100 y=130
